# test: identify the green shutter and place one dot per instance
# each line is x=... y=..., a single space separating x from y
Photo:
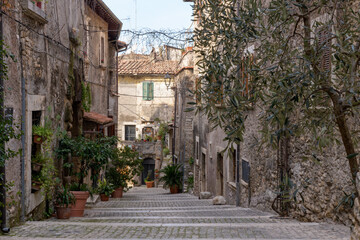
x=145 y=91
x=151 y=91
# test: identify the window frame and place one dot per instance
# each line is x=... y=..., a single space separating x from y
x=148 y=90
x=125 y=132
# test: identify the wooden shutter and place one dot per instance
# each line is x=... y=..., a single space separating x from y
x=145 y=91
x=151 y=91
x=324 y=45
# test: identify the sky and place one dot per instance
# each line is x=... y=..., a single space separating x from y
x=152 y=14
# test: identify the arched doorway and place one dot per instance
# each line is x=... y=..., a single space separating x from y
x=148 y=164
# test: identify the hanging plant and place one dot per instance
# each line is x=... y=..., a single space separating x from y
x=86 y=96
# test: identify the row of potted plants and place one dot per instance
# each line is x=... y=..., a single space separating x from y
x=94 y=156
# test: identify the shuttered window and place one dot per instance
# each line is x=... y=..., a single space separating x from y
x=148 y=91
x=245 y=69
x=324 y=49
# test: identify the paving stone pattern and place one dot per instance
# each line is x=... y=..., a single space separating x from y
x=155 y=214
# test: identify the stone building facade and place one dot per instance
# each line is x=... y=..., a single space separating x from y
x=321 y=182
x=50 y=41
x=184 y=139
x=145 y=100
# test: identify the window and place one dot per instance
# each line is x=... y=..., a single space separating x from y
x=245 y=69
x=233 y=166
x=245 y=171
x=324 y=49
x=148 y=91
x=102 y=50
x=34 y=9
x=130 y=133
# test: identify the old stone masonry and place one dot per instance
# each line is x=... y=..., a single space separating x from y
x=155 y=214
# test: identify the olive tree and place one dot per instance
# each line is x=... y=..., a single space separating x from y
x=296 y=60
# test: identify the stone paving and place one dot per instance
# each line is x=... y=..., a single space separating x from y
x=155 y=214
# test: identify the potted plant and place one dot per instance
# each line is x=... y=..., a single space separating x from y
x=172 y=177
x=41 y=133
x=105 y=189
x=118 y=178
x=63 y=199
x=149 y=181
x=166 y=151
x=125 y=164
x=163 y=129
x=37 y=163
x=81 y=193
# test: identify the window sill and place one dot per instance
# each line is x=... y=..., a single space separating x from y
x=232 y=185
x=31 y=10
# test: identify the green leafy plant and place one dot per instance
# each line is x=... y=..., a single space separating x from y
x=125 y=164
x=172 y=175
x=93 y=154
x=63 y=197
x=39 y=158
x=148 y=177
x=148 y=138
x=86 y=96
x=105 y=187
x=166 y=151
x=43 y=132
x=191 y=161
x=190 y=182
x=163 y=130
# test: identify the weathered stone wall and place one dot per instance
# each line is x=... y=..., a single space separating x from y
x=12 y=91
x=133 y=110
x=185 y=81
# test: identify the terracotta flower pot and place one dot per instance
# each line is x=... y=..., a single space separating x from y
x=104 y=198
x=36 y=167
x=38 y=139
x=63 y=212
x=174 y=189
x=77 y=210
x=150 y=184
x=118 y=193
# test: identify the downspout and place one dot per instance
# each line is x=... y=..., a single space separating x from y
x=174 y=131
x=4 y=228
x=118 y=50
x=23 y=129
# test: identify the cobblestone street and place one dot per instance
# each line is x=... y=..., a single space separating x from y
x=154 y=214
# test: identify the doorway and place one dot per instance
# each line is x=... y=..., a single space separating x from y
x=220 y=175
x=203 y=172
x=149 y=165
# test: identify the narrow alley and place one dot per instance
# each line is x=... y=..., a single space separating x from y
x=155 y=214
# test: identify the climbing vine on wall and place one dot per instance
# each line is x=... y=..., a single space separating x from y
x=86 y=96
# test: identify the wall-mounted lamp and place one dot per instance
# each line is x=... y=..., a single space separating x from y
x=167 y=78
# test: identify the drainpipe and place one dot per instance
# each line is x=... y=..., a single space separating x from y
x=4 y=228
x=174 y=132
x=23 y=129
x=119 y=48
x=238 y=175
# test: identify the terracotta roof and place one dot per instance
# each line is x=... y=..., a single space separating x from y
x=146 y=66
x=97 y=118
